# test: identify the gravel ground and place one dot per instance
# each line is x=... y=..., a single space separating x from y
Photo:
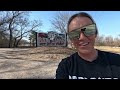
x=31 y=63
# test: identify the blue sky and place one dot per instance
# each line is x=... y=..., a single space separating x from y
x=108 y=22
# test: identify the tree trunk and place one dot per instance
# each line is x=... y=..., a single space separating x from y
x=10 y=41
x=17 y=42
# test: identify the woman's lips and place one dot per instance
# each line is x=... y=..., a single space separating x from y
x=83 y=43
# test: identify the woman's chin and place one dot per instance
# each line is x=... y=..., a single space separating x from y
x=84 y=51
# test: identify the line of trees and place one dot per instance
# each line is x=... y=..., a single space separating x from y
x=14 y=26
x=107 y=41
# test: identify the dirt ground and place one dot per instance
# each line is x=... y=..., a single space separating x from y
x=31 y=63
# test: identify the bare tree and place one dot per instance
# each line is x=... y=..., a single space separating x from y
x=109 y=41
x=4 y=38
x=25 y=30
x=59 y=21
x=13 y=17
x=18 y=25
x=116 y=42
x=100 y=40
x=4 y=17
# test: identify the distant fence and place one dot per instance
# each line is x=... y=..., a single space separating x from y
x=51 y=39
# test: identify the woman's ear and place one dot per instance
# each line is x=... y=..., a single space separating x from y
x=72 y=45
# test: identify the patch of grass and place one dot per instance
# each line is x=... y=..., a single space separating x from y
x=108 y=48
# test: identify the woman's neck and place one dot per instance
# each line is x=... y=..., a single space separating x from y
x=89 y=56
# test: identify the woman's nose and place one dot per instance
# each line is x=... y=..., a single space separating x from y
x=82 y=36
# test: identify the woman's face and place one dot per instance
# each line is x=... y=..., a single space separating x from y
x=85 y=44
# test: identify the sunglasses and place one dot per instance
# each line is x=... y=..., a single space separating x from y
x=88 y=30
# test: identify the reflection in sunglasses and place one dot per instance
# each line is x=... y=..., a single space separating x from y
x=87 y=30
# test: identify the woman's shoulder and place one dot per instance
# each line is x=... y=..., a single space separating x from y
x=69 y=59
x=113 y=58
x=110 y=54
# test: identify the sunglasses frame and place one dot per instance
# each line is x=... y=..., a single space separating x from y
x=76 y=32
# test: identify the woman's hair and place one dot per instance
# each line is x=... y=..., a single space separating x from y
x=81 y=14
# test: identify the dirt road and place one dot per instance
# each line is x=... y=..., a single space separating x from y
x=31 y=63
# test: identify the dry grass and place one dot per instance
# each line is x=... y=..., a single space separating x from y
x=39 y=53
x=108 y=48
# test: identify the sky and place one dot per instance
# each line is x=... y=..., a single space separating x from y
x=108 y=22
